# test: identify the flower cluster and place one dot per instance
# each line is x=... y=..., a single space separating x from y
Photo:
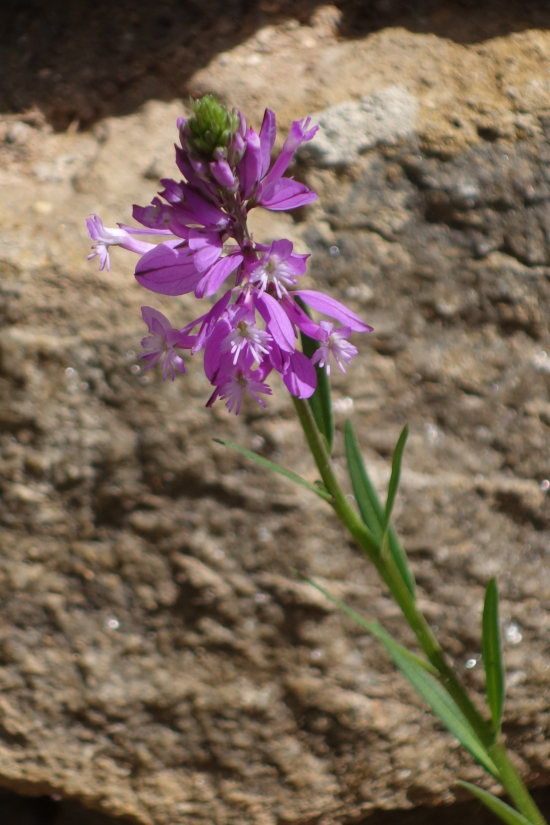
x=253 y=327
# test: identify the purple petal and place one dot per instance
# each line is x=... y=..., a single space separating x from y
x=205 y=212
x=216 y=275
x=168 y=270
x=206 y=257
x=154 y=216
x=137 y=230
x=163 y=219
x=174 y=338
x=170 y=363
x=276 y=321
x=332 y=308
x=268 y=133
x=302 y=320
x=151 y=358
x=285 y=193
x=236 y=149
x=151 y=315
x=283 y=248
x=251 y=164
x=223 y=174
x=296 y=136
x=213 y=349
x=208 y=321
x=94 y=223
x=212 y=315
x=200 y=166
x=300 y=377
x=277 y=358
x=172 y=192
x=199 y=238
x=187 y=171
x=264 y=369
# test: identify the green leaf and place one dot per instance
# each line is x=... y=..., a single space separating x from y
x=373 y=627
x=492 y=655
x=320 y=402
x=496 y=805
x=421 y=675
x=365 y=494
x=370 y=507
x=395 y=475
x=270 y=465
x=443 y=706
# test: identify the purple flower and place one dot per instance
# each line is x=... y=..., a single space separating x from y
x=279 y=268
x=106 y=238
x=161 y=342
x=336 y=341
x=232 y=379
x=234 y=384
x=245 y=337
x=268 y=188
x=299 y=133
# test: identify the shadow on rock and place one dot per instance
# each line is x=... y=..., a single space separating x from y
x=77 y=63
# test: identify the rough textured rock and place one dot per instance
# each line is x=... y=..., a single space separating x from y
x=157 y=659
x=347 y=130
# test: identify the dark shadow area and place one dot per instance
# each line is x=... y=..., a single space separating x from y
x=43 y=810
x=463 y=21
x=81 y=61
x=474 y=813
x=77 y=62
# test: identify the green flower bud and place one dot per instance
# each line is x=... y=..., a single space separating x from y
x=210 y=128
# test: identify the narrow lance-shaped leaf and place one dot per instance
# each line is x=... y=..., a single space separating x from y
x=365 y=494
x=421 y=675
x=395 y=475
x=507 y=814
x=492 y=655
x=373 y=627
x=370 y=507
x=271 y=465
x=320 y=402
x=442 y=705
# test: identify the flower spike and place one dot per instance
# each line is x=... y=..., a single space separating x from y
x=203 y=243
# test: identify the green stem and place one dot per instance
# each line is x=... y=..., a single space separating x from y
x=514 y=785
x=387 y=569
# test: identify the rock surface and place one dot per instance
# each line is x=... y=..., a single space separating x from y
x=347 y=130
x=157 y=659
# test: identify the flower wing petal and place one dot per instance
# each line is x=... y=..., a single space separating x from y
x=300 y=377
x=168 y=270
x=216 y=275
x=277 y=322
x=268 y=133
x=150 y=315
x=285 y=193
x=332 y=308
